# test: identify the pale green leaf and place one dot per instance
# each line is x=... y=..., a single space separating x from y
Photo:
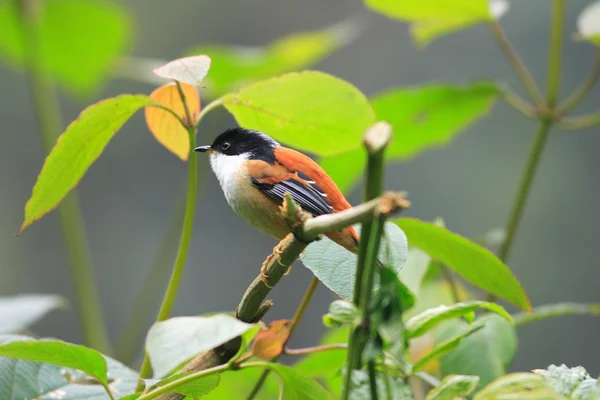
x=237 y=384
x=325 y=364
x=237 y=65
x=427 y=320
x=572 y=383
x=453 y=386
x=78 y=40
x=190 y=70
x=557 y=310
x=417 y=264
x=310 y=110
x=486 y=353
x=518 y=386
x=341 y=312
x=58 y=353
x=19 y=312
x=588 y=23
x=474 y=263
x=425 y=117
x=296 y=386
x=336 y=267
x=174 y=341
x=23 y=379
x=76 y=150
x=447 y=346
x=345 y=169
x=398 y=389
x=195 y=389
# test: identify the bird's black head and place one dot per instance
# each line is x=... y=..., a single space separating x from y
x=236 y=141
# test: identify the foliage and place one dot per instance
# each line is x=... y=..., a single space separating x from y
x=403 y=312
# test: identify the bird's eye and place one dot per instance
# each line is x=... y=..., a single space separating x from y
x=225 y=146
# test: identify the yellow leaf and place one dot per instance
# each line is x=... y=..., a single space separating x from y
x=164 y=126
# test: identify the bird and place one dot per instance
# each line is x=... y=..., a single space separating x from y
x=255 y=172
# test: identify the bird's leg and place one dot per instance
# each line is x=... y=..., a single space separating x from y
x=264 y=277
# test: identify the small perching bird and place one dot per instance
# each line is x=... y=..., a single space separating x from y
x=255 y=172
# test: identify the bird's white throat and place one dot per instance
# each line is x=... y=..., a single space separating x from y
x=229 y=170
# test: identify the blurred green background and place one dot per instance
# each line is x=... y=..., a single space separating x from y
x=128 y=195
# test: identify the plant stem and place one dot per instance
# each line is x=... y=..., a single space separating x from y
x=582 y=91
x=372 y=380
x=315 y=349
x=555 y=56
x=518 y=65
x=298 y=315
x=581 y=122
x=556 y=310
x=71 y=220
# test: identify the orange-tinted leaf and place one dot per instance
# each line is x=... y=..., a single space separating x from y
x=165 y=127
x=191 y=70
x=269 y=342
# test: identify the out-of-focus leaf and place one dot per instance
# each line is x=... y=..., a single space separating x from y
x=269 y=342
x=524 y=386
x=425 y=117
x=325 y=364
x=433 y=18
x=399 y=390
x=341 y=312
x=310 y=110
x=588 y=23
x=425 y=321
x=486 y=353
x=76 y=150
x=19 y=312
x=23 y=379
x=164 y=126
x=346 y=168
x=176 y=340
x=557 y=310
x=469 y=260
x=194 y=389
x=414 y=270
x=238 y=384
x=447 y=346
x=572 y=383
x=78 y=40
x=296 y=386
x=236 y=65
x=336 y=267
x=190 y=70
x=453 y=386
x=59 y=353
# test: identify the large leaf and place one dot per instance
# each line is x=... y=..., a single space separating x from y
x=424 y=117
x=469 y=260
x=78 y=40
x=588 y=23
x=310 y=110
x=176 y=340
x=486 y=353
x=164 y=126
x=432 y=18
x=296 y=386
x=19 y=312
x=388 y=387
x=195 y=389
x=23 y=379
x=346 y=168
x=572 y=383
x=453 y=386
x=336 y=267
x=59 y=353
x=237 y=384
x=524 y=386
x=417 y=264
x=236 y=65
x=76 y=150
x=427 y=320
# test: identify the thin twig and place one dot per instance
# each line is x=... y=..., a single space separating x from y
x=579 y=122
x=582 y=91
x=556 y=310
x=518 y=65
x=449 y=277
x=315 y=349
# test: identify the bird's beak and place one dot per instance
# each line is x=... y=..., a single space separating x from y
x=204 y=149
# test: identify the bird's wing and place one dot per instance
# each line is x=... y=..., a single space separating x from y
x=304 y=192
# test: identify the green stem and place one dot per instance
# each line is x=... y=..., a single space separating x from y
x=71 y=220
x=556 y=310
x=373 y=380
x=298 y=315
x=584 y=89
x=315 y=349
x=555 y=57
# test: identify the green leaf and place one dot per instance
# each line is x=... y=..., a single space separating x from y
x=469 y=260
x=195 y=389
x=524 y=386
x=325 y=364
x=588 y=23
x=427 y=320
x=236 y=65
x=310 y=110
x=487 y=353
x=425 y=117
x=20 y=312
x=572 y=383
x=237 y=384
x=399 y=390
x=296 y=386
x=59 y=353
x=557 y=310
x=453 y=386
x=447 y=346
x=79 y=40
x=76 y=150
x=174 y=341
x=417 y=264
x=336 y=267
x=346 y=168
x=341 y=312
x=432 y=18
